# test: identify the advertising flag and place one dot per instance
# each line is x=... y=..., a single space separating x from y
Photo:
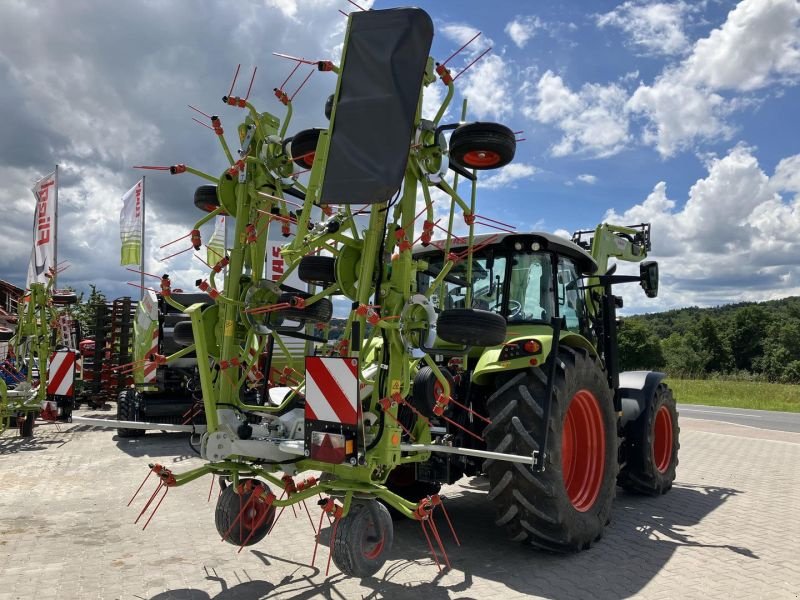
x=43 y=255
x=130 y=225
x=216 y=245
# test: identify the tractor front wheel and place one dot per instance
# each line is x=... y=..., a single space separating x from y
x=650 y=450
x=127 y=411
x=565 y=507
x=363 y=539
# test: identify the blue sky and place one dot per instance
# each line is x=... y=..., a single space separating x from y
x=684 y=114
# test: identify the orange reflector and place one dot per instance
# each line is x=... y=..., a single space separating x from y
x=395 y=439
x=532 y=347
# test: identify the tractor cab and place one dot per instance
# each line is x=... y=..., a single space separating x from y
x=528 y=278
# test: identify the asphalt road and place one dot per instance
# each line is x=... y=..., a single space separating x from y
x=762 y=419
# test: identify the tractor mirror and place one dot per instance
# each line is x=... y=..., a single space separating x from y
x=648 y=276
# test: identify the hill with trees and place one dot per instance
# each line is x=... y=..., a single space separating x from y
x=753 y=340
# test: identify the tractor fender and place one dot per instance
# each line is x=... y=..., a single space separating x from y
x=490 y=363
x=636 y=390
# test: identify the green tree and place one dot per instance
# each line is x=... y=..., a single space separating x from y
x=639 y=348
x=84 y=311
x=748 y=328
x=681 y=355
x=708 y=344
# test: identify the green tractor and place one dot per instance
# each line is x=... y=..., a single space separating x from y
x=485 y=355
x=552 y=390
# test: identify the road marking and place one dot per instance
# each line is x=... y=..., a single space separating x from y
x=716 y=412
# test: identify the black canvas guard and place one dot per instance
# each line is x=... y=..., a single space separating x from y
x=384 y=63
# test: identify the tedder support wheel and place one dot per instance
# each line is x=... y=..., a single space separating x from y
x=565 y=507
x=304 y=146
x=319 y=270
x=26 y=429
x=126 y=411
x=255 y=521
x=650 y=450
x=483 y=145
x=471 y=327
x=205 y=198
x=362 y=539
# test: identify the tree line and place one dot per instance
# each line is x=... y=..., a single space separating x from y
x=758 y=341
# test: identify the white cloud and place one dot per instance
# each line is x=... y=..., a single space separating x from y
x=521 y=29
x=487 y=88
x=734 y=239
x=508 y=176
x=656 y=27
x=592 y=119
x=586 y=178
x=461 y=33
x=758 y=45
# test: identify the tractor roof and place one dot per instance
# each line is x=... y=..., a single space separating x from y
x=547 y=241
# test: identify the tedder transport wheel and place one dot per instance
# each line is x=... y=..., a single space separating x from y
x=126 y=411
x=471 y=327
x=319 y=312
x=205 y=198
x=362 y=539
x=650 y=450
x=26 y=429
x=483 y=145
x=565 y=507
x=303 y=147
x=319 y=270
x=254 y=523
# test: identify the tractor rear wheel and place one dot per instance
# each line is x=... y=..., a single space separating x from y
x=565 y=507
x=362 y=539
x=126 y=411
x=650 y=450
x=253 y=524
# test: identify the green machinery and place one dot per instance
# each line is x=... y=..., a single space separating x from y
x=38 y=326
x=423 y=385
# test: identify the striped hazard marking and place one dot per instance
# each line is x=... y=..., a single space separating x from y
x=151 y=366
x=61 y=374
x=332 y=389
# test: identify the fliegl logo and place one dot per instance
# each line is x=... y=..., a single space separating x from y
x=43 y=219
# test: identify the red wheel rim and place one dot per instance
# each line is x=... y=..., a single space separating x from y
x=583 y=450
x=373 y=542
x=481 y=158
x=309 y=159
x=662 y=439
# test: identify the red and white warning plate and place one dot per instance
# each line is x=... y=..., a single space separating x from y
x=332 y=389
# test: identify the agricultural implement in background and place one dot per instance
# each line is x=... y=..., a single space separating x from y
x=492 y=354
x=44 y=342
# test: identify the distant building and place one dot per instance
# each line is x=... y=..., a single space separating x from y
x=10 y=295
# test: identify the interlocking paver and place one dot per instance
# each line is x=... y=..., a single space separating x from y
x=727 y=530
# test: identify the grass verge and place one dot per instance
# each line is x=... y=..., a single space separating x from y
x=737 y=394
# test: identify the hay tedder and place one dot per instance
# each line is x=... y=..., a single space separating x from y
x=491 y=354
x=40 y=381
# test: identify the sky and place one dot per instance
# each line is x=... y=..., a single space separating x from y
x=682 y=114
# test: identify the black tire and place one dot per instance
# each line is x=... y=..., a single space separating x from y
x=26 y=429
x=182 y=334
x=541 y=508
x=483 y=146
x=319 y=312
x=650 y=448
x=471 y=327
x=425 y=390
x=128 y=411
x=363 y=539
x=205 y=198
x=318 y=270
x=303 y=146
x=258 y=517
x=329 y=107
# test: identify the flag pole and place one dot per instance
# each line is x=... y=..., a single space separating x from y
x=141 y=252
x=55 y=236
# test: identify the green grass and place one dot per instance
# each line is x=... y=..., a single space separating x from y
x=737 y=394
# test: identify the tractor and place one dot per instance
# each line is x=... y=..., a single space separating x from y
x=464 y=356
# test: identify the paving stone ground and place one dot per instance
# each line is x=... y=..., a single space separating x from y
x=728 y=529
